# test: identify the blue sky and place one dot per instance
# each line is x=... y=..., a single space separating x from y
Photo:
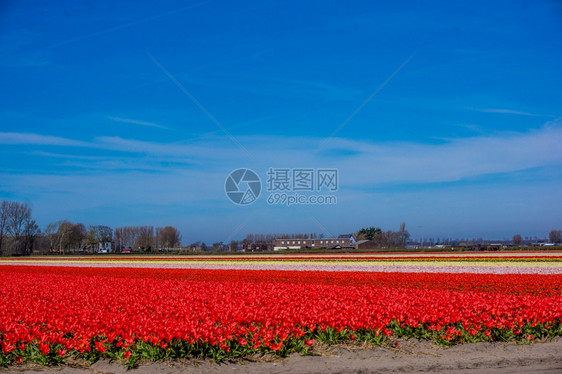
x=444 y=115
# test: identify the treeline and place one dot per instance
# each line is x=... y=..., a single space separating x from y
x=147 y=238
x=65 y=236
x=384 y=239
x=20 y=235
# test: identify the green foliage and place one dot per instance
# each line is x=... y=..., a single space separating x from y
x=368 y=233
x=447 y=335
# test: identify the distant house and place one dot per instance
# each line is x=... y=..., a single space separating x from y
x=365 y=244
x=349 y=236
x=342 y=241
x=104 y=247
x=254 y=247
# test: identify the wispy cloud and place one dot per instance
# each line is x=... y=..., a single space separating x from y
x=454 y=160
x=120 y=27
x=365 y=163
x=146 y=181
x=471 y=127
x=68 y=156
x=201 y=150
x=113 y=143
x=509 y=111
x=136 y=122
x=38 y=139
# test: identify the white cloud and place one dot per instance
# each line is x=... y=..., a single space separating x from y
x=136 y=122
x=453 y=160
x=361 y=163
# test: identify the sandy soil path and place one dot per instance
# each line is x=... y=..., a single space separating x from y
x=417 y=357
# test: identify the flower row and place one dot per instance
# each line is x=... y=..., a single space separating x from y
x=50 y=313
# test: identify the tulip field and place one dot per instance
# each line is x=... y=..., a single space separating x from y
x=128 y=308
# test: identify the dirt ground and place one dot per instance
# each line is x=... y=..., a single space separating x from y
x=410 y=356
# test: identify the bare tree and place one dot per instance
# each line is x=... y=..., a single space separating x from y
x=98 y=234
x=51 y=234
x=17 y=228
x=19 y=215
x=158 y=238
x=30 y=233
x=75 y=236
x=404 y=235
x=65 y=235
x=144 y=237
x=41 y=242
x=554 y=236
x=121 y=238
x=104 y=233
x=4 y=211
x=55 y=234
x=79 y=236
x=169 y=237
x=517 y=240
x=127 y=237
x=388 y=239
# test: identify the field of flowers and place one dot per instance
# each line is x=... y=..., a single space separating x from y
x=128 y=308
